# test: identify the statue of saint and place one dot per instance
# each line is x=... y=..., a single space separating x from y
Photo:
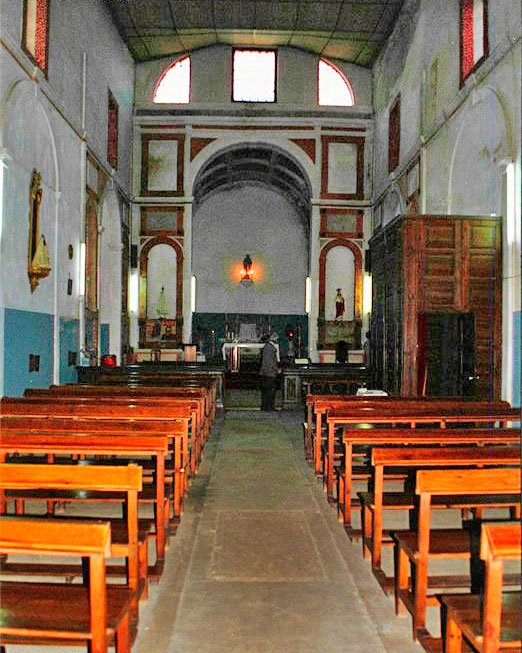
x=339 y=305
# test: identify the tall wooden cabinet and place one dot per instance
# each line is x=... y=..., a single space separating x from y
x=436 y=322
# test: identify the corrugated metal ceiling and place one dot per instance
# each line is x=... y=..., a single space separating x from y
x=352 y=31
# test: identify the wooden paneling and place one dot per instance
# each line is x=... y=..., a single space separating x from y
x=435 y=264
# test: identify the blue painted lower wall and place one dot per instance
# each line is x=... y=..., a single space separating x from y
x=517 y=322
x=104 y=339
x=26 y=332
x=69 y=339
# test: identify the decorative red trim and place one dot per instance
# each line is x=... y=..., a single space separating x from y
x=197 y=144
x=162 y=208
x=40 y=56
x=253 y=128
x=146 y=138
x=323 y=230
x=147 y=126
x=341 y=242
x=344 y=129
x=112 y=131
x=394 y=135
x=466 y=38
x=307 y=145
x=144 y=261
x=359 y=142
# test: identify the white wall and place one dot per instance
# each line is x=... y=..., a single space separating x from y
x=249 y=220
x=296 y=83
x=41 y=128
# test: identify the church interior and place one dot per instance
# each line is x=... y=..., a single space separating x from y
x=191 y=187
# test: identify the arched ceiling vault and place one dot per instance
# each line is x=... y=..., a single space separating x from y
x=257 y=164
x=348 y=30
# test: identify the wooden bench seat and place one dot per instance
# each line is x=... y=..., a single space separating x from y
x=494 y=623
x=34 y=612
x=475 y=484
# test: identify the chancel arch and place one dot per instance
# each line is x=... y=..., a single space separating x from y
x=250 y=198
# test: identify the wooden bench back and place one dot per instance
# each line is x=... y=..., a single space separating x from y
x=22 y=536
x=64 y=477
x=456 y=413
x=71 y=424
x=468 y=481
x=440 y=456
x=19 y=441
x=391 y=435
x=94 y=410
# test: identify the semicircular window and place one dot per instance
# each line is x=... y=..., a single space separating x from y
x=334 y=89
x=173 y=86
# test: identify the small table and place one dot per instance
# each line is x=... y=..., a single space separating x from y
x=235 y=347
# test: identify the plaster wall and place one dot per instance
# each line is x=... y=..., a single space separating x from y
x=212 y=74
x=249 y=220
x=465 y=135
x=41 y=128
x=76 y=28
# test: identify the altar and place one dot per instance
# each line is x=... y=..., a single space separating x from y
x=231 y=352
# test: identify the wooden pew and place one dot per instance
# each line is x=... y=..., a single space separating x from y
x=130 y=411
x=17 y=441
x=82 y=389
x=39 y=482
x=482 y=487
x=374 y=502
x=196 y=406
x=408 y=436
x=321 y=404
x=97 y=615
x=495 y=623
x=467 y=412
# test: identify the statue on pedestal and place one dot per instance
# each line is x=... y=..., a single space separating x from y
x=339 y=305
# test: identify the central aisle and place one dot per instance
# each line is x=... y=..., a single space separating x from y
x=260 y=563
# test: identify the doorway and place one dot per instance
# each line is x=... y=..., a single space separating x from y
x=446 y=354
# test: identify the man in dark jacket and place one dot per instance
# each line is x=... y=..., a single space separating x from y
x=268 y=372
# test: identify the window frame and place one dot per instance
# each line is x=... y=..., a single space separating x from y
x=485 y=36
x=394 y=154
x=249 y=49
x=343 y=77
x=25 y=48
x=112 y=105
x=165 y=72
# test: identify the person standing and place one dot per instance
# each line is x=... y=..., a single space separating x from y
x=268 y=373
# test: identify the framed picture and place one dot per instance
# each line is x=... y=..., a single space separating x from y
x=162 y=165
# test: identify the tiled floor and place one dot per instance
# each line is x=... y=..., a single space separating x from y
x=260 y=562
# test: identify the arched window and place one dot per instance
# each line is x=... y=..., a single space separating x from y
x=334 y=88
x=173 y=86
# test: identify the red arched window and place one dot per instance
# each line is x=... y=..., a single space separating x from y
x=173 y=86
x=333 y=88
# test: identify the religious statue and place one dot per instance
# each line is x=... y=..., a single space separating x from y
x=339 y=305
x=161 y=307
